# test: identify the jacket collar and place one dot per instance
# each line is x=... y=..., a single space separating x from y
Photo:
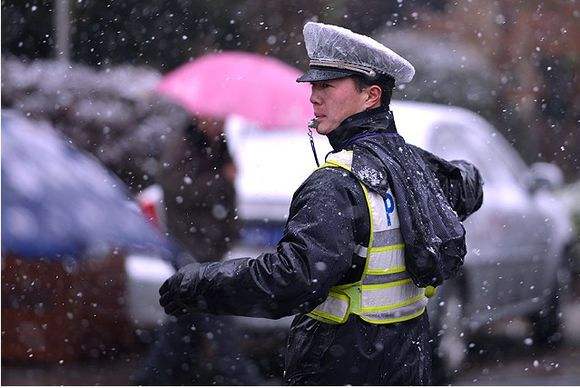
x=363 y=124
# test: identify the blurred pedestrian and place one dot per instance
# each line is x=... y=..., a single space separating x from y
x=368 y=235
x=197 y=178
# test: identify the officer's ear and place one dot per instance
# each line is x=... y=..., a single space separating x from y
x=374 y=97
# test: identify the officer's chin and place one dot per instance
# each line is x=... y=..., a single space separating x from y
x=324 y=128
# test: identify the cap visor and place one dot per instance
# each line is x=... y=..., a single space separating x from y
x=323 y=74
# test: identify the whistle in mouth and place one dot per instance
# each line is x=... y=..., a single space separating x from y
x=313 y=123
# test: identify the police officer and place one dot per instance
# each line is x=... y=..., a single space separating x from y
x=367 y=234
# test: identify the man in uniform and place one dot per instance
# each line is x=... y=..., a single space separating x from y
x=367 y=234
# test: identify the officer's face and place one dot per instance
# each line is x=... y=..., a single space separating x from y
x=334 y=101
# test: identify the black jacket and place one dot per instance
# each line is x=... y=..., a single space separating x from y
x=328 y=217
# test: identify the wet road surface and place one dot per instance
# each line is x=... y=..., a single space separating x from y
x=509 y=357
x=505 y=357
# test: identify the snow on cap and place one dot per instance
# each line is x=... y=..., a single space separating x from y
x=338 y=48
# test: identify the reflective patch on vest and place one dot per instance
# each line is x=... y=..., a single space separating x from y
x=396 y=315
x=335 y=307
x=386 y=259
x=376 y=297
x=387 y=237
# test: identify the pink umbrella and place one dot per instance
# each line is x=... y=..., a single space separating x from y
x=258 y=88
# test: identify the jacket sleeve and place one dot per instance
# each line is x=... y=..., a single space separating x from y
x=313 y=255
x=460 y=181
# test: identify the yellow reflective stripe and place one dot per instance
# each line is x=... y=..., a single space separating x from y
x=386 y=248
x=387 y=271
x=388 y=258
x=343 y=158
x=322 y=319
x=393 y=320
x=335 y=164
x=385 y=285
x=376 y=309
x=342 y=287
x=355 y=297
x=336 y=295
x=384 y=299
x=400 y=312
x=329 y=317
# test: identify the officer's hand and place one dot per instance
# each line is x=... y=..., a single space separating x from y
x=178 y=293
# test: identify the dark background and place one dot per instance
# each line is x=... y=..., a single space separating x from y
x=523 y=54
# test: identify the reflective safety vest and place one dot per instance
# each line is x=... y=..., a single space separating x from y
x=385 y=293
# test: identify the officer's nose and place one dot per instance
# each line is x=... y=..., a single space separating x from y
x=314 y=96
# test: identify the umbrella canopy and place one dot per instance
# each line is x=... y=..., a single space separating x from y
x=258 y=88
x=57 y=200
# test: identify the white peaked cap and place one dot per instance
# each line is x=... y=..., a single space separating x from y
x=336 y=47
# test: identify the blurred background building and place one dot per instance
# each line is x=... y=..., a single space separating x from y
x=515 y=62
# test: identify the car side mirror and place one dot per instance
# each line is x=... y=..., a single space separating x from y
x=544 y=176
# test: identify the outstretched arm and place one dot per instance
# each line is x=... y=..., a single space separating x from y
x=313 y=255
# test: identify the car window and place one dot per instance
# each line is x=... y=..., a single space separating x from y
x=452 y=141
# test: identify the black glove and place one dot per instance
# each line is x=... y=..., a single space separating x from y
x=178 y=293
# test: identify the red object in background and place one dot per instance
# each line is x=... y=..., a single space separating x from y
x=261 y=89
x=150 y=201
x=150 y=212
x=53 y=311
